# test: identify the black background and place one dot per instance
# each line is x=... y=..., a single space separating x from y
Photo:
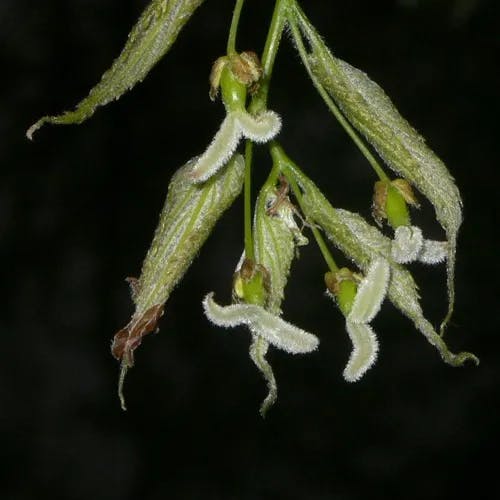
x=77 y=210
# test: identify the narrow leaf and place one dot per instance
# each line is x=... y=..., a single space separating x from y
x=187 y=219
x=150 y=39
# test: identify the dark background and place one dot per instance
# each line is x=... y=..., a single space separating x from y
x=77 y=210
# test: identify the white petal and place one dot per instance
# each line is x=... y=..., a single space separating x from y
x=407 y=244
x=281 y=334
x=364 y=353
x=221 y=148
x=433 y=252
x=261 y=128
x=271 y=328
x=371 y=292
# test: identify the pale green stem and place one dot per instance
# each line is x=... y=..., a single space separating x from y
x=258 y=102
x=284 y=162
x=334 y=108
x=271 y=46
x=231 y=41
x=247 y=212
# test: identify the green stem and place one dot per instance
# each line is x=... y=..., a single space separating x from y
x=280 y=158
x=231 y=40
x=334 y=108
x=247 y=212
x=258 y=102
x=271 y=46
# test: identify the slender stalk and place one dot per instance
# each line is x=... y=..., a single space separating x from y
x=334 y=108
x=280 y=158
x=259 y=101
x=247 y=212
x=231 y=40
x=271 y=46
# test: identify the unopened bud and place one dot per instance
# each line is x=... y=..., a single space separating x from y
x=343 y=285
x=235 y=74
x=390 y=202
x=250 y=283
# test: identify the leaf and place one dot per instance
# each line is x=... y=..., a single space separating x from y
x=187 y=219
x=274 y=247
x=150 y=39
x=372 y=113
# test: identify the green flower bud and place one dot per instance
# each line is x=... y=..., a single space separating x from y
x=343 y=286
x=250 y=283
x=234 y=93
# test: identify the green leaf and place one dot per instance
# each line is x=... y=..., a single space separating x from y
x=373 y=114
x=363 y=243
x=150 y=39
x=274 y=244
x=187 y=219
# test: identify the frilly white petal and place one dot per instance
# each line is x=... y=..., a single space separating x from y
x=407 y=244
x=262 y=323
x=371 y=292
x=433 y=252
x=364 y=353
x=261 y=128
x=221 y=148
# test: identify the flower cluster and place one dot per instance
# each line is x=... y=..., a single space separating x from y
x=289 y=203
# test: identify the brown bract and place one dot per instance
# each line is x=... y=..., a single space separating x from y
x=128 y=339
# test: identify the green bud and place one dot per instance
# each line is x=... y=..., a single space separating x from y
x=250 y=283
x=150 y=39
x=396 y=208
x=343 y=285
x=234 y=92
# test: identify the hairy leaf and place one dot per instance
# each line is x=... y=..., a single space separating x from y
x=187 y=219
x=150 y=39
x=372 y=113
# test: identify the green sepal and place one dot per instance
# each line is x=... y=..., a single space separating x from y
x=150 y=39
x=372 y=113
